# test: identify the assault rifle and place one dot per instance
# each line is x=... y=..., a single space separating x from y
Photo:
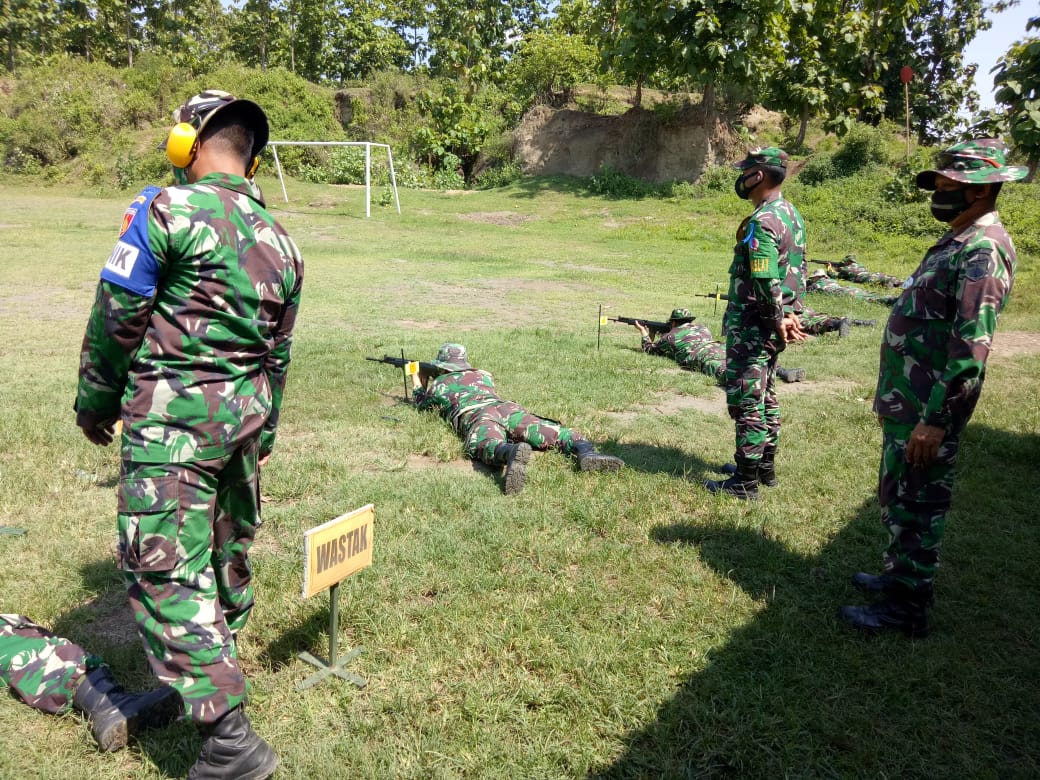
x=656 y=327
x=836 y=263
x=408 y=367
x=715 y=296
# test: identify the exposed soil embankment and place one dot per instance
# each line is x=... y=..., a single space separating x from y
x=638 y=143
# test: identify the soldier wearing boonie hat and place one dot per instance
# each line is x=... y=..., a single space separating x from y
x=765 y=297
x=188 y=344
x=933 y=364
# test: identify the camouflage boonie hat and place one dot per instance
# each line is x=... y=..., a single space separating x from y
x=980 y=161
x=763 y=155
x=680 y=315
x=452 y=357
x=817 y=274
x=199 y=109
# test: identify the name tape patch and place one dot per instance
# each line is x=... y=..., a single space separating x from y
x=122 y=260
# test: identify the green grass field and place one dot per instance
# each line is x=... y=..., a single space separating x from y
x=596 y=625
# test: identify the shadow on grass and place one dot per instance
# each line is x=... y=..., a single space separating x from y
x=626 y=188
x=795 y=692
x=105 y=626
x=652 y=459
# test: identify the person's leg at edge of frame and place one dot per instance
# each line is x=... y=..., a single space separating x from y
x=166 y=541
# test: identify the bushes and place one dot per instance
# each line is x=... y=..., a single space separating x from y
x=862 y=148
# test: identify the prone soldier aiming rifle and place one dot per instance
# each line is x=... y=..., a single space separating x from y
x=408 y=367
x=848 y=269
x=656 y=327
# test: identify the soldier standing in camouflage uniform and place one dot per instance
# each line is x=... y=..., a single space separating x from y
x=497 y=432
x=692 y=347
x=52 y=674
x=760 y=318
x=933 y=363
x=189 y=344
x=820 y=282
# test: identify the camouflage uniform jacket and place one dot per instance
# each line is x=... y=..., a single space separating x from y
x=683 y=343
x=934 y=350
x=767 y=273
x=191 y=328
x=459 y=396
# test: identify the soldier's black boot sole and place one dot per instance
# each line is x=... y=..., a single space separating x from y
x=885 y=616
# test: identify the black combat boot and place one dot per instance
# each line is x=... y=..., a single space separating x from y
x=590 y=460
x=115 y=714
x=901 y=609
x=865 y=323
x=233 y=750
x=743 y=484
x=767 y=469
x=790 y=374
x=514 y=457
x=886 y=584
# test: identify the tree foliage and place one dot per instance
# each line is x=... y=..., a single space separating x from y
x=1017 y=78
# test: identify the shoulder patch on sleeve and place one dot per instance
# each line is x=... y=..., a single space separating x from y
x=132 y=265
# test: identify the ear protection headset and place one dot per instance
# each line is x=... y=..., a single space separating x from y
x=182 y=144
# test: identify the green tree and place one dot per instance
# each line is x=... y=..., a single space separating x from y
x=933 y=48
x=548 y=65
x=1017 y=78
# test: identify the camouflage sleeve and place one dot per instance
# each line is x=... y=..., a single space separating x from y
x=764 y=255
x=980 y=295
x=651 y=347
x=426 y=397
x=276 y=365
x=115 y=330
x=769 y=296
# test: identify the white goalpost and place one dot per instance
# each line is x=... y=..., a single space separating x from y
x=368 y=166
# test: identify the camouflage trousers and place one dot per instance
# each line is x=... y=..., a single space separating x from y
x=41 y=669
x=914 y=501
x=185 y=530
x=750 y=394
x=709 y=360
x=505 y=422
x=814 y=323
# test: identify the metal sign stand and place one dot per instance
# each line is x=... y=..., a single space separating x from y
x=335 y=665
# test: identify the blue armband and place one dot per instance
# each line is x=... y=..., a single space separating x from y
x=132 y=265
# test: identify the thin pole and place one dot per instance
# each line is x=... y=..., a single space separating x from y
x=368 y=180
x=599 y=326
x=906 y=94
x=281 y=179
x=333 y=623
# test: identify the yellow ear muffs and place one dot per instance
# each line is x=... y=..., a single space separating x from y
x=181 y=145
x=253 y=167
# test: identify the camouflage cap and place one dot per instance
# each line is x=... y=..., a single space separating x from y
x=763 y=155
x=817 y=274
x=452 y=357
x=199 y=109
x=979 y=161
x=680 y=315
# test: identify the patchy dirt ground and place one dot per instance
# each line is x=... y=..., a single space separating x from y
x=1015 y=343
x=425 y=462
x=503 y=218
x=673 y=404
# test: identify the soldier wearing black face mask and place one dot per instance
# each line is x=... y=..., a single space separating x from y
x=933 y=363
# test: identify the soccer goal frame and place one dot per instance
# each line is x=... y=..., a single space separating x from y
x=368 y=166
